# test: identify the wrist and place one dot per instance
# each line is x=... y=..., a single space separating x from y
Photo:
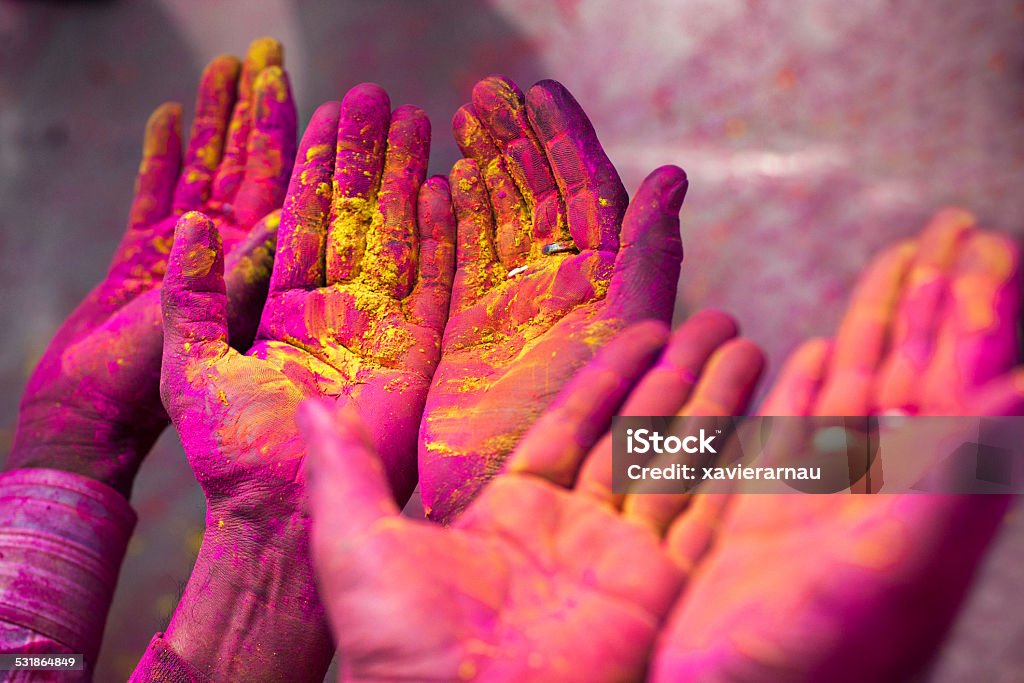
x=109 y=464
x=250 y=609
x=56 y=437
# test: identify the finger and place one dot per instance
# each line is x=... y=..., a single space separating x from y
x=1003 y=396
x=389 y=260
x=556 y=445
x=861 y=342
x=431 y=295
x=796 y=390
x=476 y=263
x=262 y=53
x=270 y=152
x=917 y=317
x=662 y=391
x=728 y=380
x=977 y=340
x=206 y=143
x=348 y=489
x=647 y=266
x=595 y=199
x=724 y=389
x=247 y=271
x=193 y=301
x=691 y=535
x=512 y=232
x=502 y=110
x=301 y=244
x=158 y=171
x=362 y=140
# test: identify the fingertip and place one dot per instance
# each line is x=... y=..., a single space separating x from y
x=748 y=352
x=465 y=173
x=197 y=246
x=325 y=116
x=411 y=118
x=990 y=252
x=366 y=97
x=408 y=112
x=670 y=185
x=815 y=347
x=437 y=184
x=319 y=141
x=494 y=90
x=810 y=358
x=903 y=250
x=953 y=217
x=163 y=131
x=461 y=117
x=165 y=115
x=647 y=333
x=195 y=223
x=552 y=108
x=723 y=324
x=469 y=133
x=264 y=52
x=435 y=199
x=501 y=103
x=223 y=66
x=548 y=90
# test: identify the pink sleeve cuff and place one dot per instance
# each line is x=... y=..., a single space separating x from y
x=161 y=664
x=62 y=539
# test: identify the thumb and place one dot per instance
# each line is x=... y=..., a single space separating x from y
x=647 y=266
x=193 y=301
x=348 y=489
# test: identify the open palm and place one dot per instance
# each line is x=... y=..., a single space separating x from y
x=540 y=579
x=862 y=587
x=355 y=310
x=522 y=321
x=93 y=399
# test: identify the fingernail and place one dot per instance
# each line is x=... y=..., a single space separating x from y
x=201 y=244
x=544 y=111
x=672 y=199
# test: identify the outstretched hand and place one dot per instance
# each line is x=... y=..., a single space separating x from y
x=551 y=264
x=868 y=584
x=357 y=303
x=92 y=405
x=545 y=577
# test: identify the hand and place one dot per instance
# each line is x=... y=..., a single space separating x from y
x=855 y=587
x=92 y=406
x=540 y=579
x=357 y=303
x=534 y=175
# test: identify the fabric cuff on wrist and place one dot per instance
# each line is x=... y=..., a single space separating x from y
x=161 y=664
x=62 y=539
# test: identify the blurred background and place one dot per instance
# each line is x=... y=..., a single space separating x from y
x=814 y=132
